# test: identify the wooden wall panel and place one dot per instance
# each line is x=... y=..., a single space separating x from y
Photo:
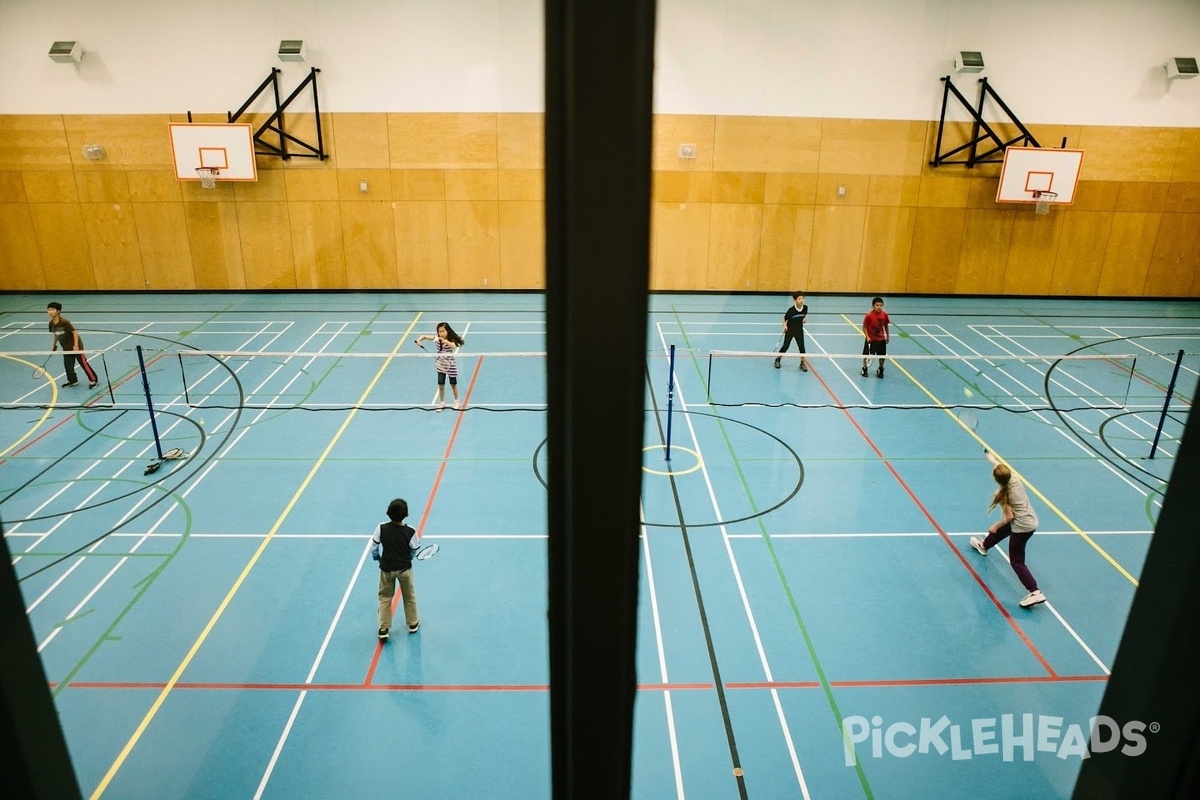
x=1176 y=256
x=943 y=192
x=893 y=190
x=1128 y=154
x=151 y=186
x=369 y=242
x=792 y=188
x=316 y=228
x=12 y=187
x=786 y=245
x=1187 y=157
x=1142 y=197
x=522 y=184
x=936 y=250
x=767 y=144
x=418 y=184
x=51 y=187
x=473 y=243
x=672 y=130
x=216 y=245
x=32 y=142
x=267 y=245
x=836 y=260
x=62 y=245
x=887 y=248
x=1127 y=256
x=735 y=234
x=472 y=184
x=856 y=190
x=102 y=187
x=269 y=187
x=422 y=259
x=362 y=141
x=1081 y=248
x=983 y=194
x=521 y=141
x=113 y=242
x=20 y=265
x=681 y=187
x=378 y=181
x=522 y=245
x=163 y=241
x=680 y=232
x=738 y=187
x=984 y=255
x=1031 y=253
x=872 y=147
x=312 y=186
x=448 y=141
x=129 y=140
x=1183 y=197
x=1094 y=196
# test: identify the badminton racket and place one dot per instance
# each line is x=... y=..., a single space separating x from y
x=428 y=551
x=418 y=344
x=968 y=418
x=40 y=371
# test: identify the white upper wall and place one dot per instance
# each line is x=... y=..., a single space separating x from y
x=1068 y=61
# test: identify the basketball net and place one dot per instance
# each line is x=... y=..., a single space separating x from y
x=1042 y=201
x=208 y=177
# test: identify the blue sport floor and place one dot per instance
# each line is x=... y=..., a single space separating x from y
x=813 y=622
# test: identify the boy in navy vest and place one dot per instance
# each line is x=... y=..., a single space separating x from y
x=393 y=544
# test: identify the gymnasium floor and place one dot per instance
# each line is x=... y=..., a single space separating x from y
x=812 y=616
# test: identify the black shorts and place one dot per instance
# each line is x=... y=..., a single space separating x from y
x=442 y=379
x=874 y=348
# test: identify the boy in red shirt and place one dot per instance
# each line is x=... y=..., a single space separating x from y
x=875 y=331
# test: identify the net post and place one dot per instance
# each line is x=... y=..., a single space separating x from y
x=670 y=396
x=708 y=380
x=149 y=402
x=1166 y=403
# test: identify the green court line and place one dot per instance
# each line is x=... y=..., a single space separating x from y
x=766 y=537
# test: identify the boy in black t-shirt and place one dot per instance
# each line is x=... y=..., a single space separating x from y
x=64 y=333
x=393 y=544
x=793 y=328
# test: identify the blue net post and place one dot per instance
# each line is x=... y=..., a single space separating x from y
x=149 y=402
x=670 y=396
x=1166 y=403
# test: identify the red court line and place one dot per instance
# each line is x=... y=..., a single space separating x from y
x=911 y=682
x=941 y=532
x=360 y=687
x=437 y=482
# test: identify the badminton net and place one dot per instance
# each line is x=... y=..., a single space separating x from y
x=34 y=379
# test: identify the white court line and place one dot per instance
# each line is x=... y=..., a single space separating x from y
x=737 y=576
x=1162 y=356
x=662 y=657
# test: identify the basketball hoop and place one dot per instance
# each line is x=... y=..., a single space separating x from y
x=208 y=178
x=1042 y=201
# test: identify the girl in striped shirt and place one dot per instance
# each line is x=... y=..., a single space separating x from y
x=447 y=342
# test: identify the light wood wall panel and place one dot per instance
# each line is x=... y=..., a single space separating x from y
x=872 y=147
x=681 y=234
x=214 y=239
x=836 y=260
x=270 y=187
x=682 y=187
x=795 y=188
x=350 y=185
x=163 y=242
x=32 y=142
x=51 y=187
x=316 y=228
x=12 y=187
x=447 y=141
x=672 y=130
x=422 y=259
x=473 y=243
x=369 y=242
x=893 y=190
x=767 y=144
x=267 y=245
x=1128 y=154
x=936 y=250
x=520 y=141
x=1176 y=257
x=887 y=248
x=735 y=234
x=150 y=186
x=522 y=245
x=1031 y=253
x=786 y=245
x=472 y=184
x=418 y=184
x=1128 y=253
x=113 y=242
x=362 y=141
x=738 y=187
x=522 y=184
x=312 y=186
x=1187 y=157
x=984 y=255
x=20 y=265
x=1081 y=249
x=62 y=245
x=1138 y=196
x=129 y=140
x=102 y=187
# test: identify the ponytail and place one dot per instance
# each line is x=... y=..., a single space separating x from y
x=1002 y=474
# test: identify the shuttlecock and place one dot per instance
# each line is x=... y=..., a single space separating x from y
x=967 y=391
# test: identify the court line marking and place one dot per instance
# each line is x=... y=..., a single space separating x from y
x=237 y=585
x=45 y=415
x=1050 y=505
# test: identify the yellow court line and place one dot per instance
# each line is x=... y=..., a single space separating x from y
x=1023 y=479
x=48 y=411
x=187 y=660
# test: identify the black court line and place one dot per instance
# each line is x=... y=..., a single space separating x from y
x=61 y=458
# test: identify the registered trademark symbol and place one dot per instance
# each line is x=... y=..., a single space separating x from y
x=1155 y=727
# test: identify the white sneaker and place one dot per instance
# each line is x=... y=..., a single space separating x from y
x=977 y=543
x=440 y=407
x=1033 y=598
x=455 y=406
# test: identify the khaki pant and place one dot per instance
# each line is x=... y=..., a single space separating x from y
x=408 y=593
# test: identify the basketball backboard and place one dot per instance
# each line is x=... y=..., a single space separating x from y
x=225 y=147
x=1030 y=170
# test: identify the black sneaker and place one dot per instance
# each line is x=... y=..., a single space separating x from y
x=383 y=634
x=803 y=367
x=413 y=628
x=777 y=363
x=879 y=372
x=864 y=372
x=69 y=384
x=93 y=384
